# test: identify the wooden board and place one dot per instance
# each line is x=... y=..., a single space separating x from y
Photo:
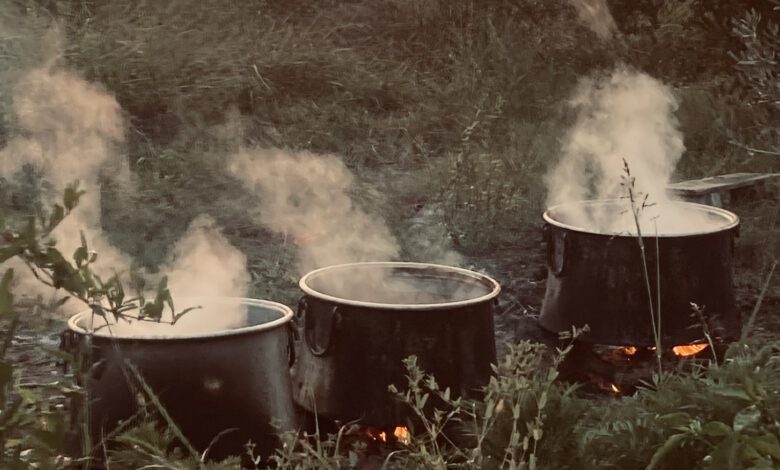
x=717 y=184
x=720 y=190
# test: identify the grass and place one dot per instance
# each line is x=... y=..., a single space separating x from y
x=447 y=112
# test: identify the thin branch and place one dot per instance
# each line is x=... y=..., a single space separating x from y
x=753 y=149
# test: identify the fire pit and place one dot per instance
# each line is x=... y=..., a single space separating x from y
x=595 y=273
x=230 y=381
x=361 y=320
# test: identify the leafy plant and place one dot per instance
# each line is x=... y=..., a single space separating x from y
x=759 y=72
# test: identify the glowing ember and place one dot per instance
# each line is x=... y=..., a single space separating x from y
x=402 y=434
x=688 y=349
x=615 y=389
x=629 y=350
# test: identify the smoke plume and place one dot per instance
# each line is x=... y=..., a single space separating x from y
x=68 y=130
x=204 y=263
x=202 y=268
x=627 y=115
x=306 y=197
x=596 y=15
x=624 y=116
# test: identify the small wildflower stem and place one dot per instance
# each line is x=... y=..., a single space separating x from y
x=635 y=212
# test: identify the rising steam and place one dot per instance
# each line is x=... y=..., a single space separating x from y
x=202 y=264
x=68 y=130
x=624 y=116
x=596 y=15
x=306 y=198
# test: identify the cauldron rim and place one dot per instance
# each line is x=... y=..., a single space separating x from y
x=285 y=311
x=483 y=278
x=732 y=219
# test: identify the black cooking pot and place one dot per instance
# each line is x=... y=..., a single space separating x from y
x=596 y=278
x=361 y=320
x=233 y=381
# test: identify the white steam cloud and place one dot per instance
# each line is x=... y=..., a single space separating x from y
x=627 y=115
x=68 y=129
x=596 y=15
x=306 y=197
x=202 y=264
x=624 y=116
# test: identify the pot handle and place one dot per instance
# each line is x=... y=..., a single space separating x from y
x=557 y=245
x=68 y=345
x=292 y=338
x=84 y=356
x=308 y=329
x=734 y=237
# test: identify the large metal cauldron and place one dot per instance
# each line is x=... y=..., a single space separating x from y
x=597 y=278
x=234 y=380
x=361 y=320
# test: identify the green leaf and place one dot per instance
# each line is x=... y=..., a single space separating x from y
x=71 y=196
x=678 y=419
x=730 y=392
x=57 y=214
x=671 y=443
x=114 y=291
x=80 y=256
x=746 y=417
x=151 y=310
x=715 y=429
x=60 y=302
x=726 y=454
x=177 y=316
x=765 y=444
x=755 y=391
x=8 y=252
x=542 y=400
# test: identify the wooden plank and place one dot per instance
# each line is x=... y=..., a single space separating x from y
x=718 y=184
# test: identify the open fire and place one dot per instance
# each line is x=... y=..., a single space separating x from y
x=688 y=349
x=616 y=370
x=400 y=434
x=683 y=350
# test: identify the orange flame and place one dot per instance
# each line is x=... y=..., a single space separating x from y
x=688 y=349
x=615 y=389
x=629 y=350
x=400 y=433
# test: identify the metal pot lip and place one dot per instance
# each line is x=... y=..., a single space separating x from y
x=728 y=215
x=495 y=286
x=287 y=316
